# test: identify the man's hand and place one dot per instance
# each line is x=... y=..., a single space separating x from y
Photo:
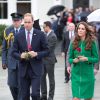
x=62 y=54
x=95 y=71
x=32 y=54
x=23 y=55
x=4 y=66
x=69 y=69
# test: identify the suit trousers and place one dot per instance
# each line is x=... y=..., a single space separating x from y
x=48 y=69
x=14 y=92
x=30 y=81
x=14 y=84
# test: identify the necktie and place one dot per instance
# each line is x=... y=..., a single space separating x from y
x=28 y=41
x=16 y=31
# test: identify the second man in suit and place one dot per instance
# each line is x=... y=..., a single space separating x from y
x=68 y=35
x=49 y=63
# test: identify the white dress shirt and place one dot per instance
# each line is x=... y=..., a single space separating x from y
x=71 y=34
x=31 y=33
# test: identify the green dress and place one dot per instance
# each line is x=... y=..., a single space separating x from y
x=82 y=73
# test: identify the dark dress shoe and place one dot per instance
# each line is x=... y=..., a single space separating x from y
x=43 y=98
x=66 y=81
x=50 y=98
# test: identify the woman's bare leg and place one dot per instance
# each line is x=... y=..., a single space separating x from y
x=76 y=98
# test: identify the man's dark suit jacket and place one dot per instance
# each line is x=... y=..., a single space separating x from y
x=52 y=40
x=65 y=42
x=38 y=44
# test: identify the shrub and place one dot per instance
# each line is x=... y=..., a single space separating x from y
x=2 y=27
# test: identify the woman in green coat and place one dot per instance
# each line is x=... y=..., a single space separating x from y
x=83 y=54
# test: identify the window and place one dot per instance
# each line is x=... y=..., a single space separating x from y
x=3 y=9
x=24 y=7
x=80 y=3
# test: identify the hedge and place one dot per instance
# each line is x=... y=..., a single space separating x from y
x=2 y=27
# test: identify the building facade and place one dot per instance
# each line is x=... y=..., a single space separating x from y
x=38 y=8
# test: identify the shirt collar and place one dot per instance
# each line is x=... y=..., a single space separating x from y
x=31 y=31
x=17 y=28
x=48 y=32
x=72 y=32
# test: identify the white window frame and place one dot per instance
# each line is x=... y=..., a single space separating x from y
x=23 y=1
x=7 y=8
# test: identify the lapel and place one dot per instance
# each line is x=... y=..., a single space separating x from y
x=49 y=35
x=67 y=35
x=23 y=37
x=12 y=31
x=34 y=35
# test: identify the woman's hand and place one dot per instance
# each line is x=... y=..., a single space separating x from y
x=76 y=60
x=82 y=58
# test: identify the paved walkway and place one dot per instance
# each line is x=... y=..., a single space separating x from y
x=62 y=91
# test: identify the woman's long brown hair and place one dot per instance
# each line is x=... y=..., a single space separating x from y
x=88 y=38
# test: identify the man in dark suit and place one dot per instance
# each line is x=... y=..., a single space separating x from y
x=65 y=44
x=49 y=63
x=7 y=60
x=29 y=47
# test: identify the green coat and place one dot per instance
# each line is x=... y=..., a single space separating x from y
x=82 y=73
